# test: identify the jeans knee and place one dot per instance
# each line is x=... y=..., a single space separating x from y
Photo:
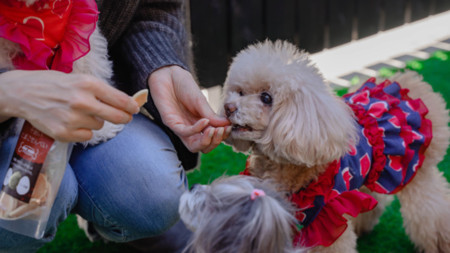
x=135 y=191
x=141 y=212
x=153 y=215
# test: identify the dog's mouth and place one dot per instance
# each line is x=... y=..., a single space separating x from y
x=239 y=128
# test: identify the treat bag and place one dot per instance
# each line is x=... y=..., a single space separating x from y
x=35 y=171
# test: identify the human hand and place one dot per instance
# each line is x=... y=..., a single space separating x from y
x=66 y=107
x=184 y=109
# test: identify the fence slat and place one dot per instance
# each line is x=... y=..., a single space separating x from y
x=368 y=16
x=311 y=24
x=210 y=40
x=441 y=6
x=246 y=23
x=280 y=19
x=420 y=9
x=221 y=28
x=340 y=21
x=394 y=13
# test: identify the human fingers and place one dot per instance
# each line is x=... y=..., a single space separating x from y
x=113 y=97
x=73 y=127
x=199 y=142
x=63 y=132
x=111 y=114
x=90 y=106
x=212 y=143
x=220 y=134
x=182 y=129
x=207 y=141
x=204 y=110
x=78 y=135
x=227 y=132
x=87 y=122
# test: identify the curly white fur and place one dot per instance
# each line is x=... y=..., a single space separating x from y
x=301 y=103
x=225 y=219
x=305 y=126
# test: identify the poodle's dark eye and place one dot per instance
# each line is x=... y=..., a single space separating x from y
x=266 y=98
x=241 y=93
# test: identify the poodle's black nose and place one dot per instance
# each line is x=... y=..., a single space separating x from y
x=229 y=109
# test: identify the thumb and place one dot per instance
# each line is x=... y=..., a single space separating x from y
x=205 y=111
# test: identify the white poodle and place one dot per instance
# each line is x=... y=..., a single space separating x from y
x=238 y=214
x=338 y=157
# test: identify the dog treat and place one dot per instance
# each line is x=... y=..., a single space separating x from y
x=141 y=97
x=41 y=190
x=12 y=208
x=7 y=204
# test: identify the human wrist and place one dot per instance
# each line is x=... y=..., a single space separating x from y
x=158 y=75
x=6 y=110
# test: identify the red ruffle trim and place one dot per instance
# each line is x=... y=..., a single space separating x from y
x=375 y=137
x=330 y=222
x=74 y=45
x=406 y=133
x=323 y=186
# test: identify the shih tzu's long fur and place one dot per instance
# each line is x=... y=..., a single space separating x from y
x=95 y=63
x=284 y=114
x=225 y=217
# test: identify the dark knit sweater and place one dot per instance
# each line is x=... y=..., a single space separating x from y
x=143 y=36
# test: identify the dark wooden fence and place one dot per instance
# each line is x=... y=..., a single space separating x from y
x=220 y=28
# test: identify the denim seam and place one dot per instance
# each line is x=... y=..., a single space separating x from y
x=105 y=216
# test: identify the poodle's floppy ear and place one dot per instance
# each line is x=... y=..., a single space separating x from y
x=309 y=127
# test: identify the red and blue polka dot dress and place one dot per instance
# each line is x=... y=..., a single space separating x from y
x=393 y=136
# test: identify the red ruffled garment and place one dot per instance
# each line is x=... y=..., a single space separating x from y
x=328 y=223
x=51 y=33
x=395 y=133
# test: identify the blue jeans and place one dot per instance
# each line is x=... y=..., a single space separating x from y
x=128 y=187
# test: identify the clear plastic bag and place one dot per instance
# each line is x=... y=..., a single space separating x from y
x=32 y=181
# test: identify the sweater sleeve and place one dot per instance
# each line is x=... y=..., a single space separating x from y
x=156 y=37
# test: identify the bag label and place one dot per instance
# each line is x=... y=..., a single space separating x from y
x=27 y=161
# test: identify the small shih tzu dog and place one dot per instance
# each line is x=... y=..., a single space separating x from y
x=339 y=157
x=238 y=214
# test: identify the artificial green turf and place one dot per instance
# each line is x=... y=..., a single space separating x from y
x=387 y=236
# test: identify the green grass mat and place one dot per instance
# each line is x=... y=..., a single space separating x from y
x=388 y=235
